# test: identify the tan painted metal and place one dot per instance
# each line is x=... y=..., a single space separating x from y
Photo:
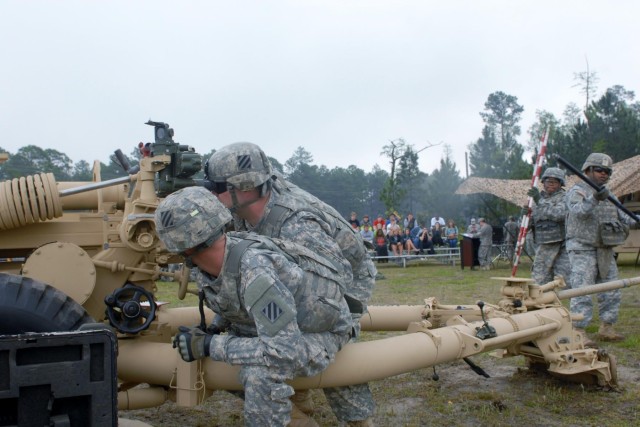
x=52 y=264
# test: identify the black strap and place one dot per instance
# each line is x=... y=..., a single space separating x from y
x=233 y=260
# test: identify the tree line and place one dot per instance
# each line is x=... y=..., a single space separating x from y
x=609 y=123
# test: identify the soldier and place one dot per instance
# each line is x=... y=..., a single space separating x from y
x=549 y=216
x=278 y=326
x=485 y=233
x=594 y=228
x=240 y=175
x=510 y=231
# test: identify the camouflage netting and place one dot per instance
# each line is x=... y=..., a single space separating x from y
x=625 y=180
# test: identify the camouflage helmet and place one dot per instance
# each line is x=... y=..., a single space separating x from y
x=242 y=164
x=190 y=217
x=556 y=173
x=599 y=160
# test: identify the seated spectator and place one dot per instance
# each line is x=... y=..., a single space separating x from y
x=379 y=223
x=395 y=241
x=365 y=220
x=451 y=232
x=415 y=235
x=392 y=225
x=425 y=241
x=436 y=235
x=367 y=233
x=381 y=246
x=409 y=221
x=437 y=219
x=407 y=243
x=354 y=221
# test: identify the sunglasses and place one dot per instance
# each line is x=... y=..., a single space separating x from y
x=602 y=170
x=219 y=187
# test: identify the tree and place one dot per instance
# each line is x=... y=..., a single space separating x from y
x=502 y=113
x=587 y=81
x=408 y=177
x=497 y=154
x=391 y=192
x=440 y=186
x=299 y=158
x=484 y=155
x=82 y=171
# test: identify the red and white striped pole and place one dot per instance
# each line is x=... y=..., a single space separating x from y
x=524 y=224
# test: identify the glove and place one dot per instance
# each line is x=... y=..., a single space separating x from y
x=192 y=343
x=534 y=193
x=602 y=194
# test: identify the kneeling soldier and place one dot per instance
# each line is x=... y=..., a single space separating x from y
x=282 y=305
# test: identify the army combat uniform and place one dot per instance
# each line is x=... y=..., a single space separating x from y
x=282 y=304
x=295 y=215
x=549 y=234
x=593 y=229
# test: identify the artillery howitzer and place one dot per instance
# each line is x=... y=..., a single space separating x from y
x=81 y=253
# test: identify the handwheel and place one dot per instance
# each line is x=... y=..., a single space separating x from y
x=130 y=309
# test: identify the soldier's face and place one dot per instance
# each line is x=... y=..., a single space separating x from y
x=551 y=185
x=599 y=175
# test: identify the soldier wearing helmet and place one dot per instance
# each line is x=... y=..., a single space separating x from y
x=240 y=175
x=548 y=221
x=594 y=228
x=278 y=326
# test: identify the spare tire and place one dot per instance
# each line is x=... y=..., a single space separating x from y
x=27 y=305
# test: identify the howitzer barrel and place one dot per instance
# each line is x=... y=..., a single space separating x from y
x=155 y=363
x=600 y=287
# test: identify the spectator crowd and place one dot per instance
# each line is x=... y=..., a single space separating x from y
x=394 y=235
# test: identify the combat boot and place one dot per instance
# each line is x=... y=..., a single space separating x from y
x=303 y=399
x=607 y=333
x=300 y=419
x=588 y=342
x=361 y=423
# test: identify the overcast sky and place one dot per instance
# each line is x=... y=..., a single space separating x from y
x=340 y=78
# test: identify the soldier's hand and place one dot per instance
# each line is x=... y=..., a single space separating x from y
x=534 y=193
x=602 y=194
x=192 y=343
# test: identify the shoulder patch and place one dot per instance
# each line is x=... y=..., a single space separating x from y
x=268 y=306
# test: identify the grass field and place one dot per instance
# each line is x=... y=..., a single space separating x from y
x=513 y=395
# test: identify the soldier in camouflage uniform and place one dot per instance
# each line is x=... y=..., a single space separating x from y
x=594 y=228
x=282 y=305
x=240 y=175
x=549 y=215
x=485 y=233
x=510 y=232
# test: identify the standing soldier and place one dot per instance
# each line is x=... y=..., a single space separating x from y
x=510 y=231
x=282 y=305
x=594 y=228
x=549 y=215
x=240 y=176
x=485 y=233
